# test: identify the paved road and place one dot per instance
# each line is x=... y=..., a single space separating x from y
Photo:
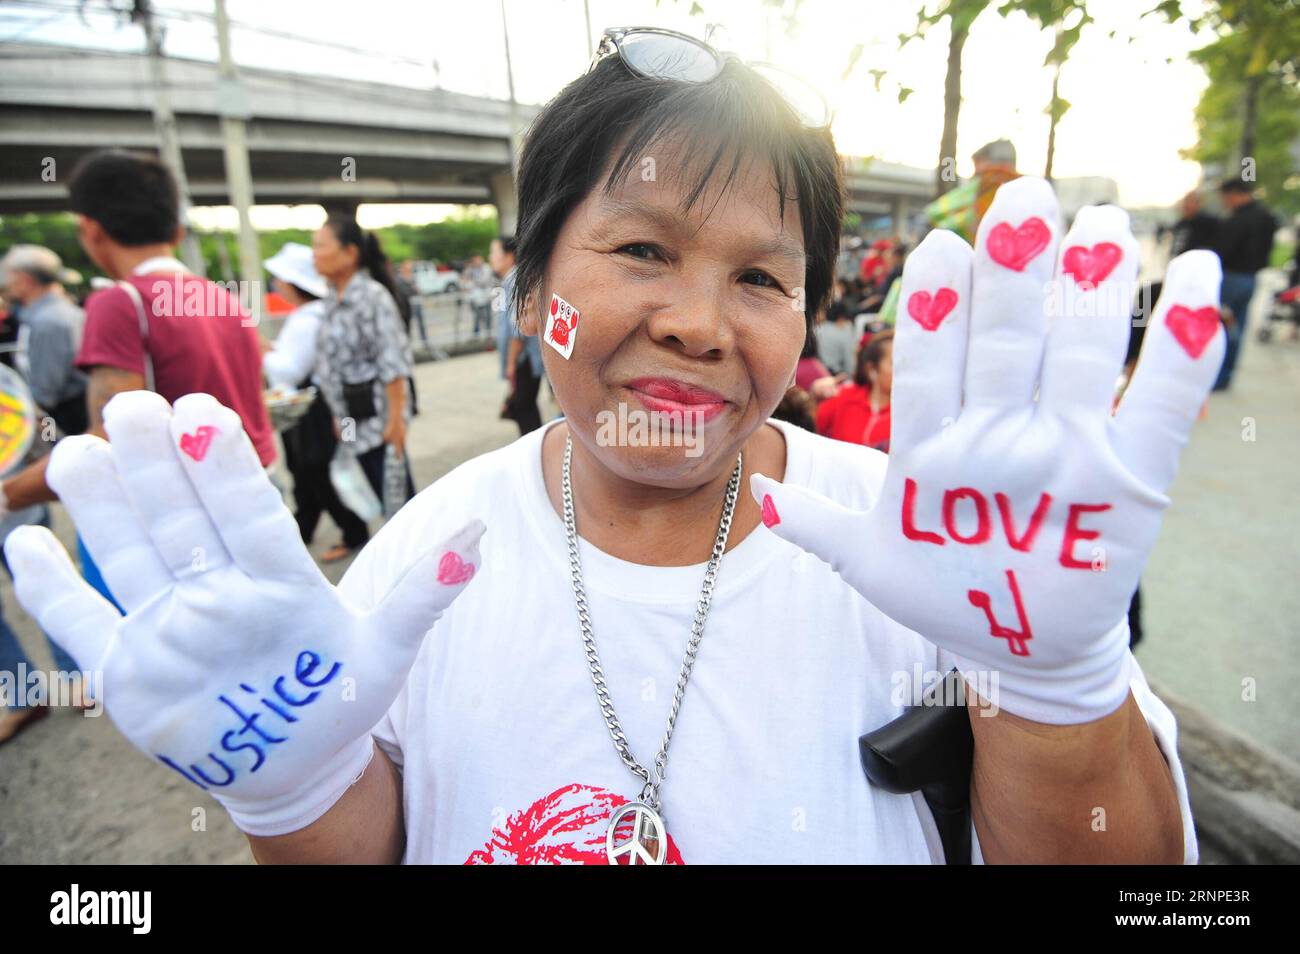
x=1221 y=595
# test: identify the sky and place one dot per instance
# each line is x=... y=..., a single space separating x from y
x=1131 y=102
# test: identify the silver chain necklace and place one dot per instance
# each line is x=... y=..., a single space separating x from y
x=648 y=843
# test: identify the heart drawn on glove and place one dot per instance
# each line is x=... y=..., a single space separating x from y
x=1193 y=329
x=452 y=569
x=770 y=518
x=1017 y=247
x=929 y=310
x=1090 y=266
x=197 y=444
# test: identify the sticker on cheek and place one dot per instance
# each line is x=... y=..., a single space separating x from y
x=561 y=326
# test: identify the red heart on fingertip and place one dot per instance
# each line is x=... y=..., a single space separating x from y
x=1193 y=329
x=452 y=569
x=1016 y=247
x=196 y=445
x=1090 y=266
x=770 y=517
x=928 y=310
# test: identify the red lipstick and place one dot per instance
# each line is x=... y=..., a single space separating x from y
x=671 y=396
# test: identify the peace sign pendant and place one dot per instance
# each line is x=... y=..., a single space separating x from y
x=648 y=842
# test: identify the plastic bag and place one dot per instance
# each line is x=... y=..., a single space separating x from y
x=394 y=481
x=349 y=480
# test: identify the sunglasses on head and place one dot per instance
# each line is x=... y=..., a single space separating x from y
x=668 y=55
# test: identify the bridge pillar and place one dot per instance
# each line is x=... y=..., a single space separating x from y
x=502 y=185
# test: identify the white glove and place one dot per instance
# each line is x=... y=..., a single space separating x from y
x=1017 y=513
x=237 y=664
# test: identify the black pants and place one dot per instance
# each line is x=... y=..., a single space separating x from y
x=308 y=449
x=372 y=462
x=521 y=406
x=1135 y=619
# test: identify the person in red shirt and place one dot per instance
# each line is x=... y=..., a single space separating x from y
x=859 y=411
x=875 y=264
x=161 y=327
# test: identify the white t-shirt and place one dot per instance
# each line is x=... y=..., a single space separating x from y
x=504 y=752
x=293 y=355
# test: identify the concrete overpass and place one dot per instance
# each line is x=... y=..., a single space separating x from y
x=876 y=188
x=405 y=145
x=311 y=139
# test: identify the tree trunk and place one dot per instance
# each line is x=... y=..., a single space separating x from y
x=1249 y=111
x=1053 y=117
x=945 y=176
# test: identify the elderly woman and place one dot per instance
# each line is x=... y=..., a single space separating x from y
x=363 y=357
x=290 y=363
x=455 y=698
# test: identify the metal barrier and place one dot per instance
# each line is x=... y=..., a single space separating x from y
x=443 y=324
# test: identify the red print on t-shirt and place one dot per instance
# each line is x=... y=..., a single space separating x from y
x=567 y=827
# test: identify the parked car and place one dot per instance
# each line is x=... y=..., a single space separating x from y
x=430 y=280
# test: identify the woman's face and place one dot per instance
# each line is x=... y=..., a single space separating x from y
x=333 y=259
x=684 y=317
x=883 y=374
x=285 y=291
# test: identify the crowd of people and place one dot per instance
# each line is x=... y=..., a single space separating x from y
x=842 y=382
x=349 y=334
x=1243 y=240
x=842 y=387
x=356 y=783
x=617 y=530
x=157 y=326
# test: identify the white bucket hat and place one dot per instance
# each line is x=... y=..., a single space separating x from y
x=293 y=264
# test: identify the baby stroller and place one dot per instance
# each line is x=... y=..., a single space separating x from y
x=1285 y=308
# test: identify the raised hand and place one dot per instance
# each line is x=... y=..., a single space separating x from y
x=1017 y=512
x=237 y=664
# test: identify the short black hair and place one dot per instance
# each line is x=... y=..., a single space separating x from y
x=370 y=257
x=1235 y=184
x=509 y=244
x=610 y=117
x=132 y=196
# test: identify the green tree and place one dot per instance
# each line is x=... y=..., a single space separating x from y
x=1260 y=146
x=56 y=231
x=1253 y=62
x=961 y=16
x=1055 y=14
x=454 y=239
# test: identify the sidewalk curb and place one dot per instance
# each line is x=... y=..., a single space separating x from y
x=1245 y=799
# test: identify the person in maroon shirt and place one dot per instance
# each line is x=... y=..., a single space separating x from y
x=184 y=334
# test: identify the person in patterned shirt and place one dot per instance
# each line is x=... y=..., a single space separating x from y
x=363 y=356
